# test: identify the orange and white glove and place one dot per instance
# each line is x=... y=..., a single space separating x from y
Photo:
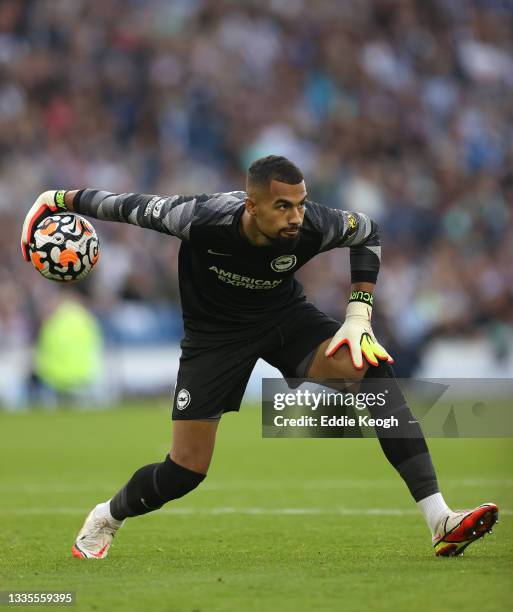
x=356 y=332
x=46 y=205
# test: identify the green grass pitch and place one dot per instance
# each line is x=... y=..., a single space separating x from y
x=277 y=525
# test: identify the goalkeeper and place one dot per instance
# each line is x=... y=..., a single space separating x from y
x=240 y=302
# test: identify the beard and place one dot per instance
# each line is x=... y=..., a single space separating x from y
x=283 y=244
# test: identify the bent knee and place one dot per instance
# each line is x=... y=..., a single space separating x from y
x=196 y=460
x=193 y=444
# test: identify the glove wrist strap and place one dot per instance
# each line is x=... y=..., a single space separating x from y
x=58 y=198
x=361 y=296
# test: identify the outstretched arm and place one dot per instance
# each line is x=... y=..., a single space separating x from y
x=168 y=214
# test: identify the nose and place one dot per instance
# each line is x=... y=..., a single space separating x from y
x=295 y=217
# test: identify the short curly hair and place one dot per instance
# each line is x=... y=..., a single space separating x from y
x=273 y=168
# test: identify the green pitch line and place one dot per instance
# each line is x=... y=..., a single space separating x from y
x=278 y=524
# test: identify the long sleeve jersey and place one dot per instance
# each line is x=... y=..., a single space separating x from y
x=225 y=280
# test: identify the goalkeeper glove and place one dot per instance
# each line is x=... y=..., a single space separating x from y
x=46 y=204
x=357 y=333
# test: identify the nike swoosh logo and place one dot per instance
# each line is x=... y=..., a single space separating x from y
x=216 y=253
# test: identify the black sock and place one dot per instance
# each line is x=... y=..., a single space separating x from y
x=409 y=455
x=151 y=487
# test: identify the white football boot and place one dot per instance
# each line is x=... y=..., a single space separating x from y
x=94 y=539
x=457 y=530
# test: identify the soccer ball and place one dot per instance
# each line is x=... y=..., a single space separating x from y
x=65 y=247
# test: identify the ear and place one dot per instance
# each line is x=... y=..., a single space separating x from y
x=250 y=207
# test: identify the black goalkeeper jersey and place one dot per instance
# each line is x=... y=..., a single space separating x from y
x=226 y=282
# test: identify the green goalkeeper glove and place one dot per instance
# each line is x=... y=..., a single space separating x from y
x=356 y=332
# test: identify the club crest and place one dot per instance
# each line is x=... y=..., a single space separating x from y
x=283 y=263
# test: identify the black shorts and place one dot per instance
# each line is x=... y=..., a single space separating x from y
x=213 y=376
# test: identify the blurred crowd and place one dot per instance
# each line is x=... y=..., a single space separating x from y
x=402 y=109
